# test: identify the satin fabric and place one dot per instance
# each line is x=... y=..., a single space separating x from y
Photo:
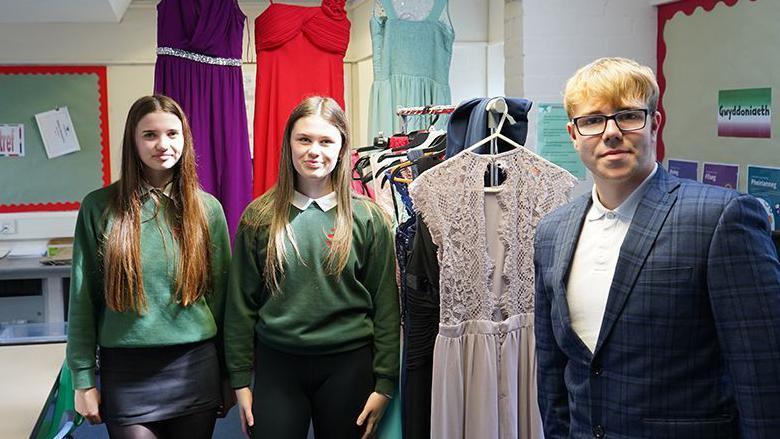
x=300 y=52
x=212 y=96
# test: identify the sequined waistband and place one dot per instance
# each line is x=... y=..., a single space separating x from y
x=197 y=57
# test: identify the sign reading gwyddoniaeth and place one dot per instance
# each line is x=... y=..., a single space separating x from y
x=745 y=113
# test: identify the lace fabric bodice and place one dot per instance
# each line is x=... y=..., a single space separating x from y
x=451 y=199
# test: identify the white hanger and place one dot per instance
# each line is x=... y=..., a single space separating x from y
x=496 y=135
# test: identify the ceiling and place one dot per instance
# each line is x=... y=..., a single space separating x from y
x=62 y=11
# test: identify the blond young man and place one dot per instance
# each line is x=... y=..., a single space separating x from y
x=657 y=299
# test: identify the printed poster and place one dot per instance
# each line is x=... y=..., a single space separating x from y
x=57 y=132
x=745 y=113
x=684 y=169
x=764 y=184
x=12 y=140
x=553 y=140
x=720 y=174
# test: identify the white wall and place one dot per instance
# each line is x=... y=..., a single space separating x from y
x=559 y=36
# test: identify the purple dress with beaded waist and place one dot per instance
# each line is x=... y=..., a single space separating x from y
x=199 y=65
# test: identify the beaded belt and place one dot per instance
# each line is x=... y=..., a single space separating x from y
x=197 y=57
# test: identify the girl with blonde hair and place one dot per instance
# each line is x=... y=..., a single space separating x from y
x=313 y=302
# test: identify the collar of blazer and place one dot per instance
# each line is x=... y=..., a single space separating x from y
x=648 y=220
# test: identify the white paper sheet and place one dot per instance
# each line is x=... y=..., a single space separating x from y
x=57 y=132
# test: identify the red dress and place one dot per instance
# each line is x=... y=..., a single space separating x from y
x=300 y=52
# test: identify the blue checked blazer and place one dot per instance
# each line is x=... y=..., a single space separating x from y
x=690 y=342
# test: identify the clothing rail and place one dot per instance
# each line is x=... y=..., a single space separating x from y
x=404 y=112
x=428 y=109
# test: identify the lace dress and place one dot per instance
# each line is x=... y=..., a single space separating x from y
x=484 y=380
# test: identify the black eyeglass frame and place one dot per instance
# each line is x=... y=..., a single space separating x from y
x=607 y=118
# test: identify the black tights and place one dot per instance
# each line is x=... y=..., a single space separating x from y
x=330 y=390
x=194 y=426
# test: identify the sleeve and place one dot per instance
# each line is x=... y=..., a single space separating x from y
x=85 y=282
x=554 y=187
x=425 y=203
x=743 y=279
x=381 y=282
x=244 y=289
x=220 y=266
x=551 y=361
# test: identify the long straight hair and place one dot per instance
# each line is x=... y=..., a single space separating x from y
x=272 y=210
x=123 y=277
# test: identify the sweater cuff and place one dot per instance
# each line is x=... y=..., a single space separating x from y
x=385 y=386
x=240 y=379
x=83 y=378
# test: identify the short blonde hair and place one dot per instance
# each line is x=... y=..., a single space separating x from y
x=612 y=81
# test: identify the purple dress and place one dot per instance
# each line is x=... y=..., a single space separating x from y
x=199 y=65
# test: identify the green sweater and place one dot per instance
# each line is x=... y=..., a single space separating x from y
x=91 y=323
x=315 y=313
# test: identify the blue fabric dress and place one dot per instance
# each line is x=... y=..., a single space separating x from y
x=411 y=65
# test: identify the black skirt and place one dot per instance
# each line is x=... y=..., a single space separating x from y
x=140 y=385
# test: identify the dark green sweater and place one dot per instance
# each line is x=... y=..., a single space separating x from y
x=91 y=323
x=315 y=313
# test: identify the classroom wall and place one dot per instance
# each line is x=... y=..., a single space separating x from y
x=725 y=48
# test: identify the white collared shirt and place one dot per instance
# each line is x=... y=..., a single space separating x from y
x=166 y=190
x=595 y=259
x=326 y=202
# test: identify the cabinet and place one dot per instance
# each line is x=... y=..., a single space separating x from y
x=48 y=294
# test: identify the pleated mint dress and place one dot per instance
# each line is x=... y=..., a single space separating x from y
x=411 y=55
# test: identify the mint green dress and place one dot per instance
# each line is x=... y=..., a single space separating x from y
x=412 y=50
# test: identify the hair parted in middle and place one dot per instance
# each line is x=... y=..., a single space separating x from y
x=272 y=209
x=121 y=250
x=612 y=81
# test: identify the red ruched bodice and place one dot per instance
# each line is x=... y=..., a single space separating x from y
x=300 y=52
x=325 y=27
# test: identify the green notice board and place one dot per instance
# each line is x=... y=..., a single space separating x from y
x=34 y=182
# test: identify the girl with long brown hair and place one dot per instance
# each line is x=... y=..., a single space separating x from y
x=150 y=260
x=313 y=302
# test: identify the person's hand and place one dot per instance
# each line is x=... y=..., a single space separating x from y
x=87 y=403
x=372 y=413
x=228 y=399
x=244 y=401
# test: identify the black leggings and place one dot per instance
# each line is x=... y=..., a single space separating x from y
x=194 y=426
x=330 y=390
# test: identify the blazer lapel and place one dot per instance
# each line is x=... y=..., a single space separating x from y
x=648 y=219
x=566 y=241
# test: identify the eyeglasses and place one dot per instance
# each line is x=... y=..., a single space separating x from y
x=596 y=124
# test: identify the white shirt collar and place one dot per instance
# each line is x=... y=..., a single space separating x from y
x=627 y=208
x=166 y=190
x=326 y=203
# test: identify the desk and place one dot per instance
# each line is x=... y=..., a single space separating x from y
x=51 y=275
